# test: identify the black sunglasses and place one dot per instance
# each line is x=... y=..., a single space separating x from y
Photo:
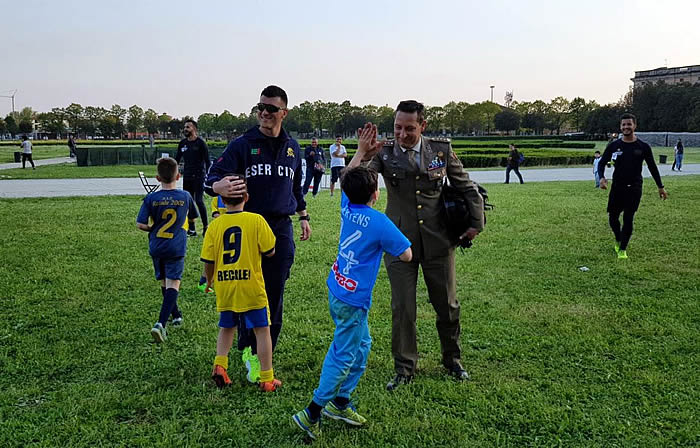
x=270 y=108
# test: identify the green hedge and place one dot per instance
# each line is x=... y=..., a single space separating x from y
x=92 y=142
x=490 y=157
x=120 y=155
x=471 y=157
x=532 y=159
x=558 y=144
x=509 y=137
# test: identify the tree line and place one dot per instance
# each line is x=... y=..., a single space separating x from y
x=658 y=107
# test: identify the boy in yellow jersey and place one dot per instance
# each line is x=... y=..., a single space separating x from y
x=232 y=252
x=217 y=209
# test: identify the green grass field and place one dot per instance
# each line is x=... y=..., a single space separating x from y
x=38 y=152
x=72 y=171
x=558 y=357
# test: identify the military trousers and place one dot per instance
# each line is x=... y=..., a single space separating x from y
x=439 y=276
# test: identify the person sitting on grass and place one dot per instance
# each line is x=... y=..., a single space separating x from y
x=218 y=207
x=365 y=235
x=232 y=252
x=167 y=209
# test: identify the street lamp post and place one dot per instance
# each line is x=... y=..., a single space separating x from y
x=488 y=125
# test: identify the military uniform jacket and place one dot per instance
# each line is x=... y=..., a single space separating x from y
x=414 y=203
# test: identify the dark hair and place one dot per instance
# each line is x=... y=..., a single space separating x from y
x=189 y=120
x=597 y=152
x=24 y=137
x=238 y=200
x=359 y=184
x=411 y=106
x=167 y=169
x=628 y=116
x=338 y=136
x=275 y=92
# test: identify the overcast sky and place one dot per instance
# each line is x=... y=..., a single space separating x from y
x=186 y=58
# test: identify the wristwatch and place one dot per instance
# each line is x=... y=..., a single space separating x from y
x=305 y=218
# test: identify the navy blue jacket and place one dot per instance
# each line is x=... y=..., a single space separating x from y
x=273 y=174
x=318 y=157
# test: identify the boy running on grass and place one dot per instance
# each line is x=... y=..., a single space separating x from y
x=167 y=209
x=232 y=252
x=365 y=234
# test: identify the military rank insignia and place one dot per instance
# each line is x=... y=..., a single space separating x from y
x=290 y=152
x=255 y=151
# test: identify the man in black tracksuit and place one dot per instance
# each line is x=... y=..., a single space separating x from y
x=271 y=162
x=197 y=163
x=627 y=154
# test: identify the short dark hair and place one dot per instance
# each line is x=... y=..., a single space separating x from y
x=338 y=136
x=167 y=169
x=359 y=184
x=238 y=200
x=24 y=137
x=411 y=106
x=275 y=92
x=190 y=120
x=597 y=152
x=628 y=116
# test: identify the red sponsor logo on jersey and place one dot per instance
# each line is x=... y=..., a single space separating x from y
x=343 y=281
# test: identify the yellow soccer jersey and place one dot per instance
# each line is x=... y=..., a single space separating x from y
x=235 y=242
x=217 y=205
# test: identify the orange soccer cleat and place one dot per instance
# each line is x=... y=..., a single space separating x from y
x=220 y=377
x=270 y=386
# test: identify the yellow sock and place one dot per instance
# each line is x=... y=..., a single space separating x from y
x=221 y=361
x=266 y=376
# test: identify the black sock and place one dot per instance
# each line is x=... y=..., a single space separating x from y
x=202 y=280
x=341 y=402
x=192 y=226
x=169 y=300
x=314 y=410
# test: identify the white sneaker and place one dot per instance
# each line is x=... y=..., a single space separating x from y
x=158 y=333
x=177 y=322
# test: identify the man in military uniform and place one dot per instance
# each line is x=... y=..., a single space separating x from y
x=414 y=168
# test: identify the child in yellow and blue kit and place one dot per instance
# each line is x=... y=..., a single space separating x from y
x=232 y=252
x=163 y=215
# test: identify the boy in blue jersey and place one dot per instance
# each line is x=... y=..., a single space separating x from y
x=167 y=210
x=365 y=234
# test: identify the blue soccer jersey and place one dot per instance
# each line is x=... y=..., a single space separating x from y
x=365 y=234
x=167 y=209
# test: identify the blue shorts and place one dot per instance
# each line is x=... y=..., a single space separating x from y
x=170 y=268
x=250 y=319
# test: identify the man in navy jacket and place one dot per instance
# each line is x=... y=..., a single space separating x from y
x=314 y=159
x=271 y=162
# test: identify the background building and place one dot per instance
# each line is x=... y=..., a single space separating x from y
x=673 y=75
